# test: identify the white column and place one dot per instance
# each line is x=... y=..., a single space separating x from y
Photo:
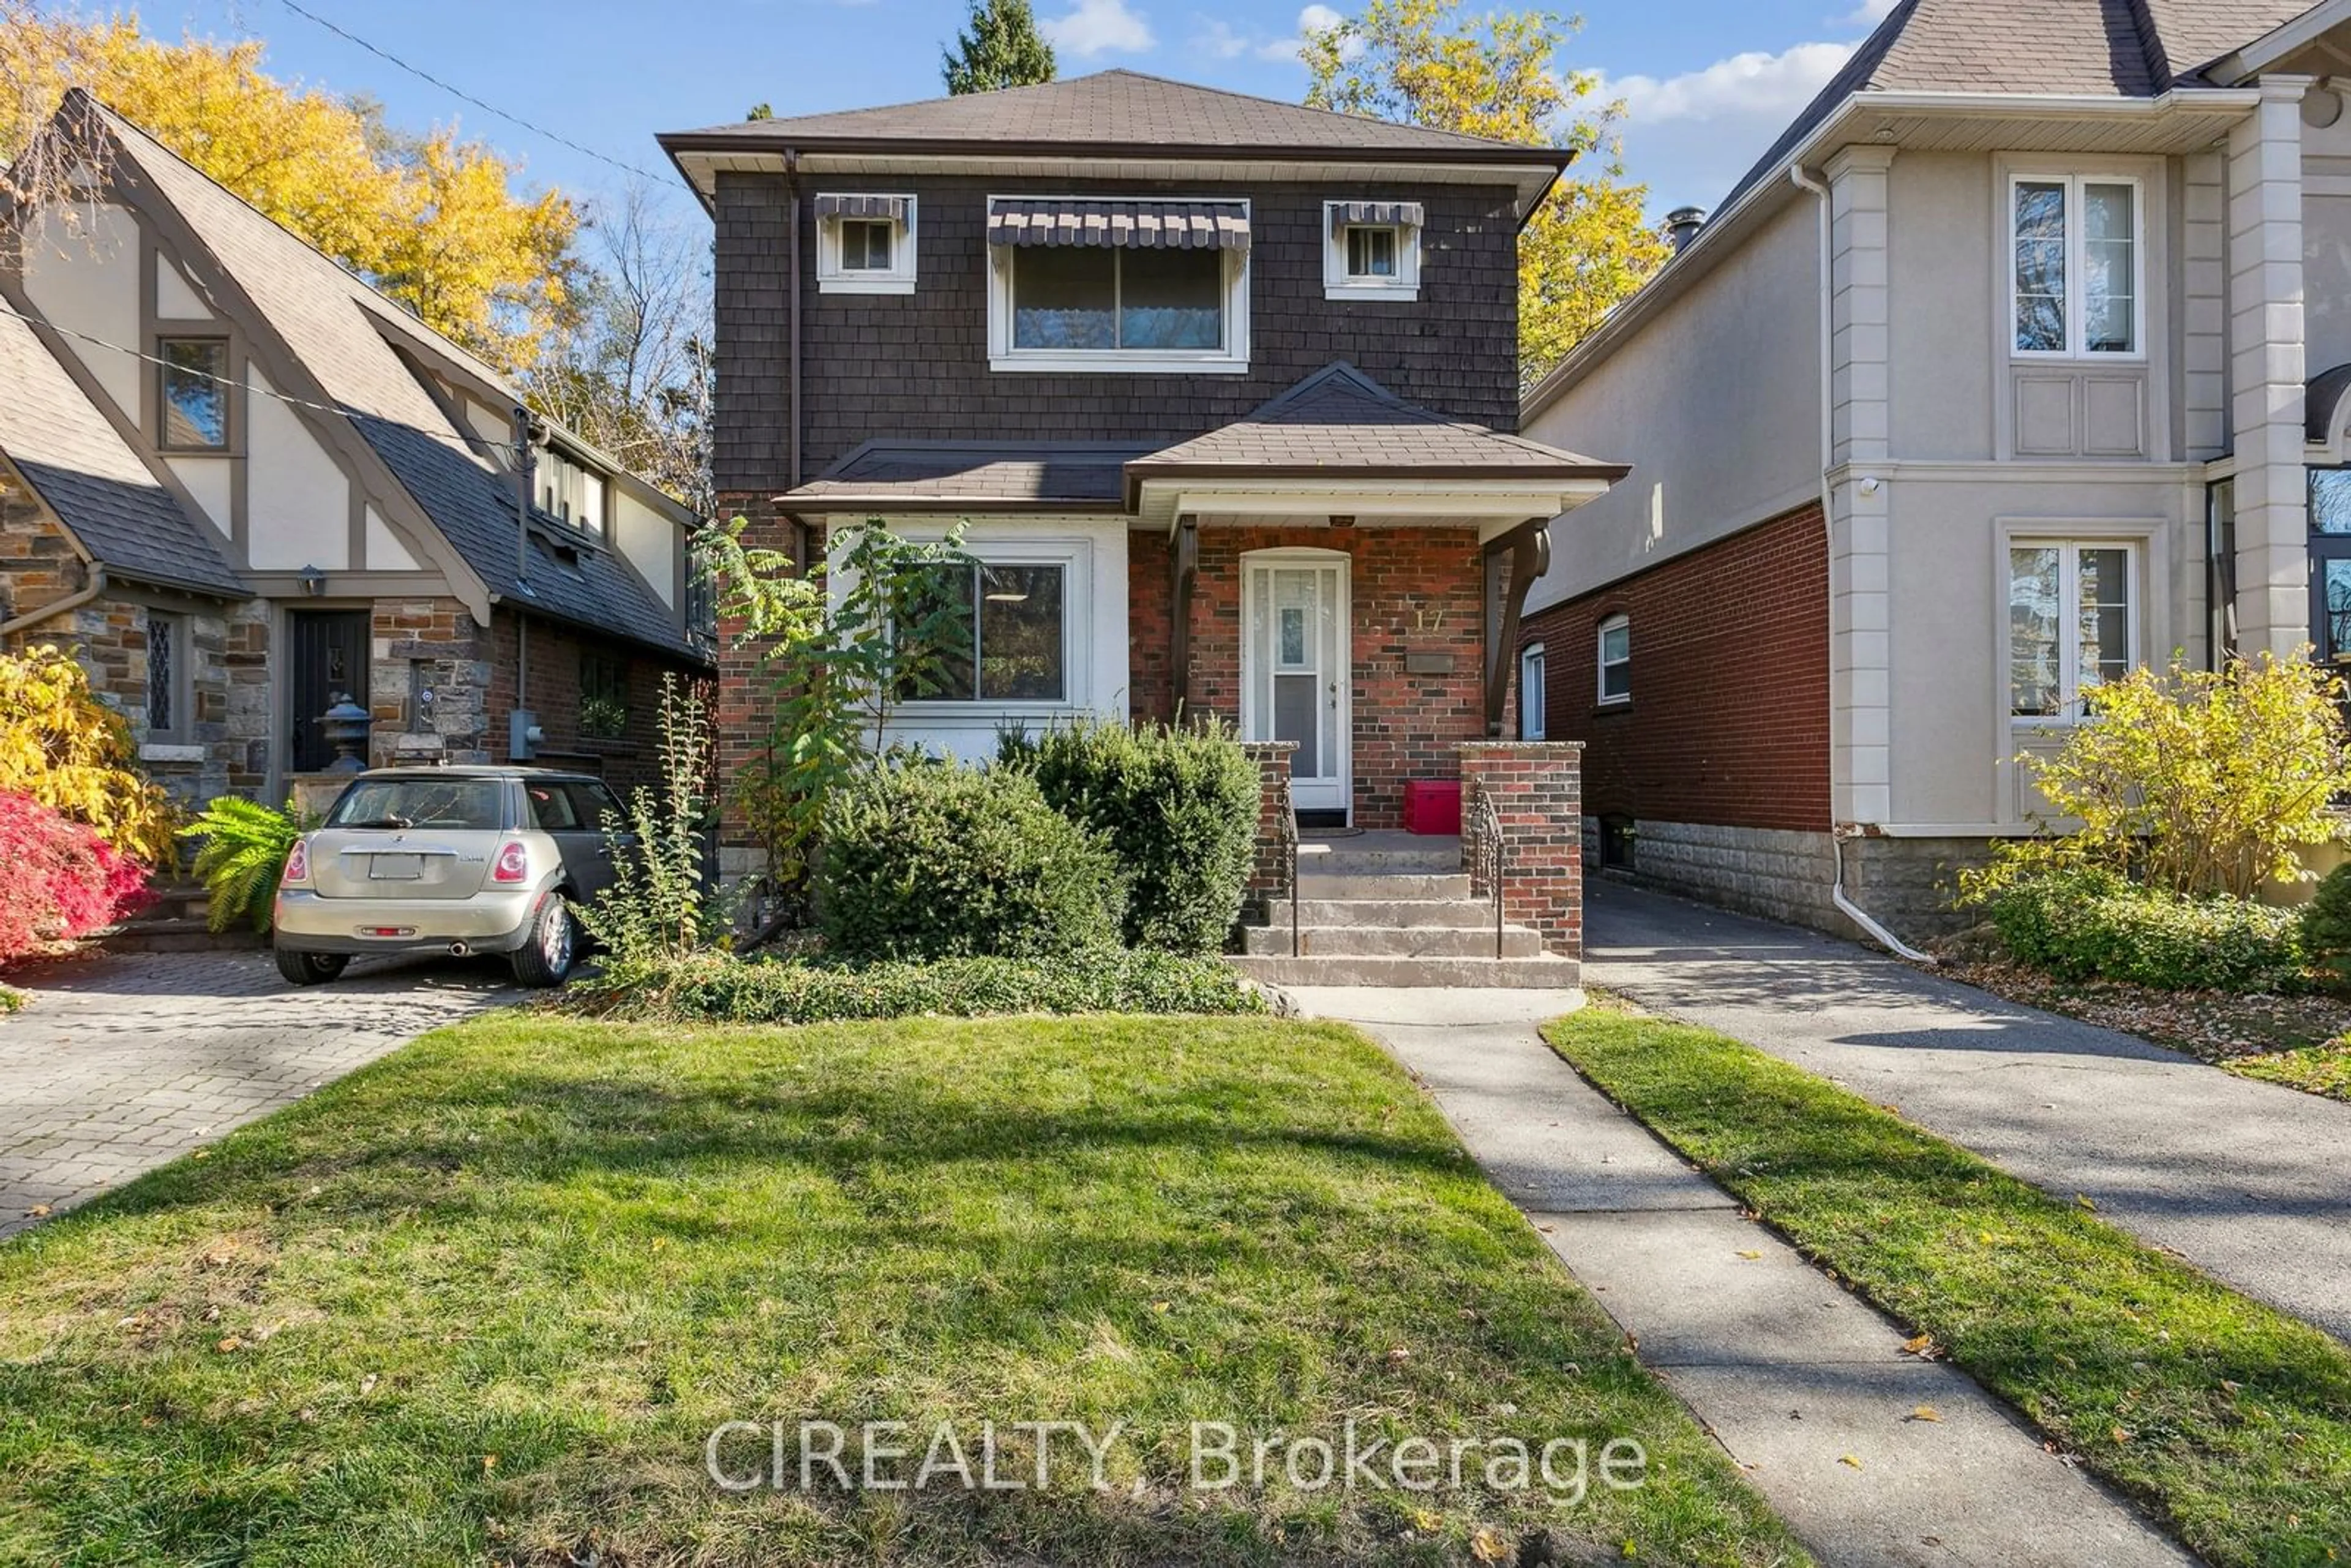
x=1861 y=648
x=2266 y=370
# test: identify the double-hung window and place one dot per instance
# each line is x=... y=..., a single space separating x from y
x=2077 y=283
x=1086 y=284
x=1616 y=654
x=2072 y=623
x=1531 y=695
x=1013 y=645
x=1372 y=250
x=864 y=243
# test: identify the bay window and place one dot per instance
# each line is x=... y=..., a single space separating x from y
x=2075 y=285
x=2072 y=623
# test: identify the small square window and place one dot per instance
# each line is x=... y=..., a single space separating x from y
x=1371 y=253
x=603 y=696
x=1372 y=250
x=864 y=243
x=195 y=386
x=865 y=246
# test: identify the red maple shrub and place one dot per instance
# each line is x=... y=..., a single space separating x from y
x=61 y=880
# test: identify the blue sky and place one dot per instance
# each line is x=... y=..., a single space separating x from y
x=1706 y=83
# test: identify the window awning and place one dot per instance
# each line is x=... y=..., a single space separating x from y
x=891 y=208
x=1385 y=215
x=1139 y=224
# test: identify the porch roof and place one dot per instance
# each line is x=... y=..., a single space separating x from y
x=894 y=476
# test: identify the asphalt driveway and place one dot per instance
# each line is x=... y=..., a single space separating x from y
x=120 y=1063
x=2250 y=1182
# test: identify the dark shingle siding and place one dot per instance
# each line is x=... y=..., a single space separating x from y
x=916 y=366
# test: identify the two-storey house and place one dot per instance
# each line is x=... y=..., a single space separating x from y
x=1225 y=388
x=2017 y=360
x=244 y=487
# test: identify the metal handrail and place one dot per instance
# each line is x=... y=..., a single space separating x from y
x=1485 y=826
x=1289 y=817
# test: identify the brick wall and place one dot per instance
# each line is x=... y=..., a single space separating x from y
x=1536 y=786
x=1410 y=590
x=630 y=758
x=917 y=365
x=745 y=706
x=1269 y=870
x=1729 y=718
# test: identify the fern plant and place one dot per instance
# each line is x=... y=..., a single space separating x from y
x=242 y=856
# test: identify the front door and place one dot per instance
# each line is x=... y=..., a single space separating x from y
x=1294 y=670
x=330 y=662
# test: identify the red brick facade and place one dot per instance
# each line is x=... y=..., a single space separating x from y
x=1728 y=721
x=1536 y=788
x=1411 y=589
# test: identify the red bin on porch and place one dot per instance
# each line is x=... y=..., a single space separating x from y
x=1431 y=805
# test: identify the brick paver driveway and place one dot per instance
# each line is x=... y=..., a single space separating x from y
x=121 y=1063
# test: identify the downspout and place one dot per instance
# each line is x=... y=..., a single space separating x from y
x=73 y=601
x=792 y=186
x=1838 y=832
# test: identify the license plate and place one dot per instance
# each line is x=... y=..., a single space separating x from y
x=395 y=868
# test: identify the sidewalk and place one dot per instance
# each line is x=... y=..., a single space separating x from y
x=1807 y=1387
x=2247 y=1181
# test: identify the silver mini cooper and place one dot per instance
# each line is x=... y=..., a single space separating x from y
x=449 y=860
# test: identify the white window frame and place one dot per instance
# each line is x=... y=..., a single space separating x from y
x=1075 y=558
x=2076 y=249
x=1603 y=664
x=1531 y=725
x=832 y=277
x=1232 y=358
x=1338 y=283
x=2070 y=709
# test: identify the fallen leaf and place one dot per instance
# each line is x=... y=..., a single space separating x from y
x=229 y=1344
x=1546 y=1230
x=1926 y=1413
x=489 y=1463
x=1158 y=1306
x=2085 y=1203
x=200 y=1154
x=1850 y=1460
x=1487 y=1545
x=1920 y=1344
x=2122 y=1435
x=1398 y=1356
x=1426 y=1520
x=367 y=1385
x=36 y=1211
x=1744 y=1253
x=2231 y=1387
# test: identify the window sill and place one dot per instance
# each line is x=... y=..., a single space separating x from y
x=169 y=751
x=1402 y=292
x=1113 y=363
x=1611 y=707
x=2066 y=356
x=845 y=284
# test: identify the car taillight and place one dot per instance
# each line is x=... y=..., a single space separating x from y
x=298 y=863
x=513 y=864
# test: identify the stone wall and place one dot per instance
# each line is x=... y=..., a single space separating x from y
x=1905 y=884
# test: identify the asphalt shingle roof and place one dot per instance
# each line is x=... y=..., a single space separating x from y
x=343 y=331
x=1117 y=108
x=91 y=478
x=1341 y=422
x=942 y=475
x=2120 y=48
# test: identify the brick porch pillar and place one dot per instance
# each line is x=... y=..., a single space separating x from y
x=1272 y=760
x=1537 y=788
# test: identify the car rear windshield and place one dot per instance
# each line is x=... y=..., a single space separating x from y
x=419 y=803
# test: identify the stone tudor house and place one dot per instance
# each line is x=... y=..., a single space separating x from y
x=238 y=482
x=1223 y=387
x=2017 y=361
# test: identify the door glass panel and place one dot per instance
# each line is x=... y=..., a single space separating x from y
x=2334 y=634
x=1297 y=712
x=2330 y=500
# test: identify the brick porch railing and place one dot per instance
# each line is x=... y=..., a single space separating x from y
x=1538 y=791
x=1272 y=760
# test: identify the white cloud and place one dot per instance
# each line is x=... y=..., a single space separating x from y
x=1870 y=13
x=1218 y=40
x=1100 y=27
x=1744 y=85
x=1222 y=41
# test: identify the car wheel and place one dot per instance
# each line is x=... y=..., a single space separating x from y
x=546 y=958
x=310 y=968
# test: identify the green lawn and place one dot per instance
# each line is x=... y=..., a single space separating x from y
x=485 y=1300
x=2231 y=1419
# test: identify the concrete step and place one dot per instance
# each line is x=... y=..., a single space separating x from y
x=1392 y=942
x=1336 y=970
x=1343 y=858
x=1315 y=882
x=178 y=936
x=1405 y=914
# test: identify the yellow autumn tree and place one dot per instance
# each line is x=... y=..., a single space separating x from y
x=1496 y=74
x=433 y=221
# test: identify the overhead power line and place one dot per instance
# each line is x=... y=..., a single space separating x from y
x=458 y=93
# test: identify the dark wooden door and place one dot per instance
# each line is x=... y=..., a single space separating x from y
x=328 y=651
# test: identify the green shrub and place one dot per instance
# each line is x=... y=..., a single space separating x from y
x=2326 y=921
x=721 y=989
x=2090 y=924
x=944 y=861
x=1179 y=808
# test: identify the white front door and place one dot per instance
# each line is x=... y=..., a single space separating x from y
x=1294 y=671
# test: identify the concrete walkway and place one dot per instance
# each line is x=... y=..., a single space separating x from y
x=122 y=1063
x=2248 y=1181
x=1806 y=1386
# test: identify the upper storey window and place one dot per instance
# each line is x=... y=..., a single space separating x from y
x=1371 y=250
x=1092 y=285
x=865 y=244
x=196 y=388
x=570 y=491
x=2077 y=287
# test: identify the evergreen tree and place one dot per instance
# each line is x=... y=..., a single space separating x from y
x=999 y=47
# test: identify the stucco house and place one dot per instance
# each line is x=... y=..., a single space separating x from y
x=2016 y=361
x=243 y=484
x=1225 y=389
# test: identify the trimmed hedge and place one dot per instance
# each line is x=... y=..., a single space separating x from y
x=1179 y=808
x=939 y=860
x=2095 y=924
x=718 y=987
x=2327 y=922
